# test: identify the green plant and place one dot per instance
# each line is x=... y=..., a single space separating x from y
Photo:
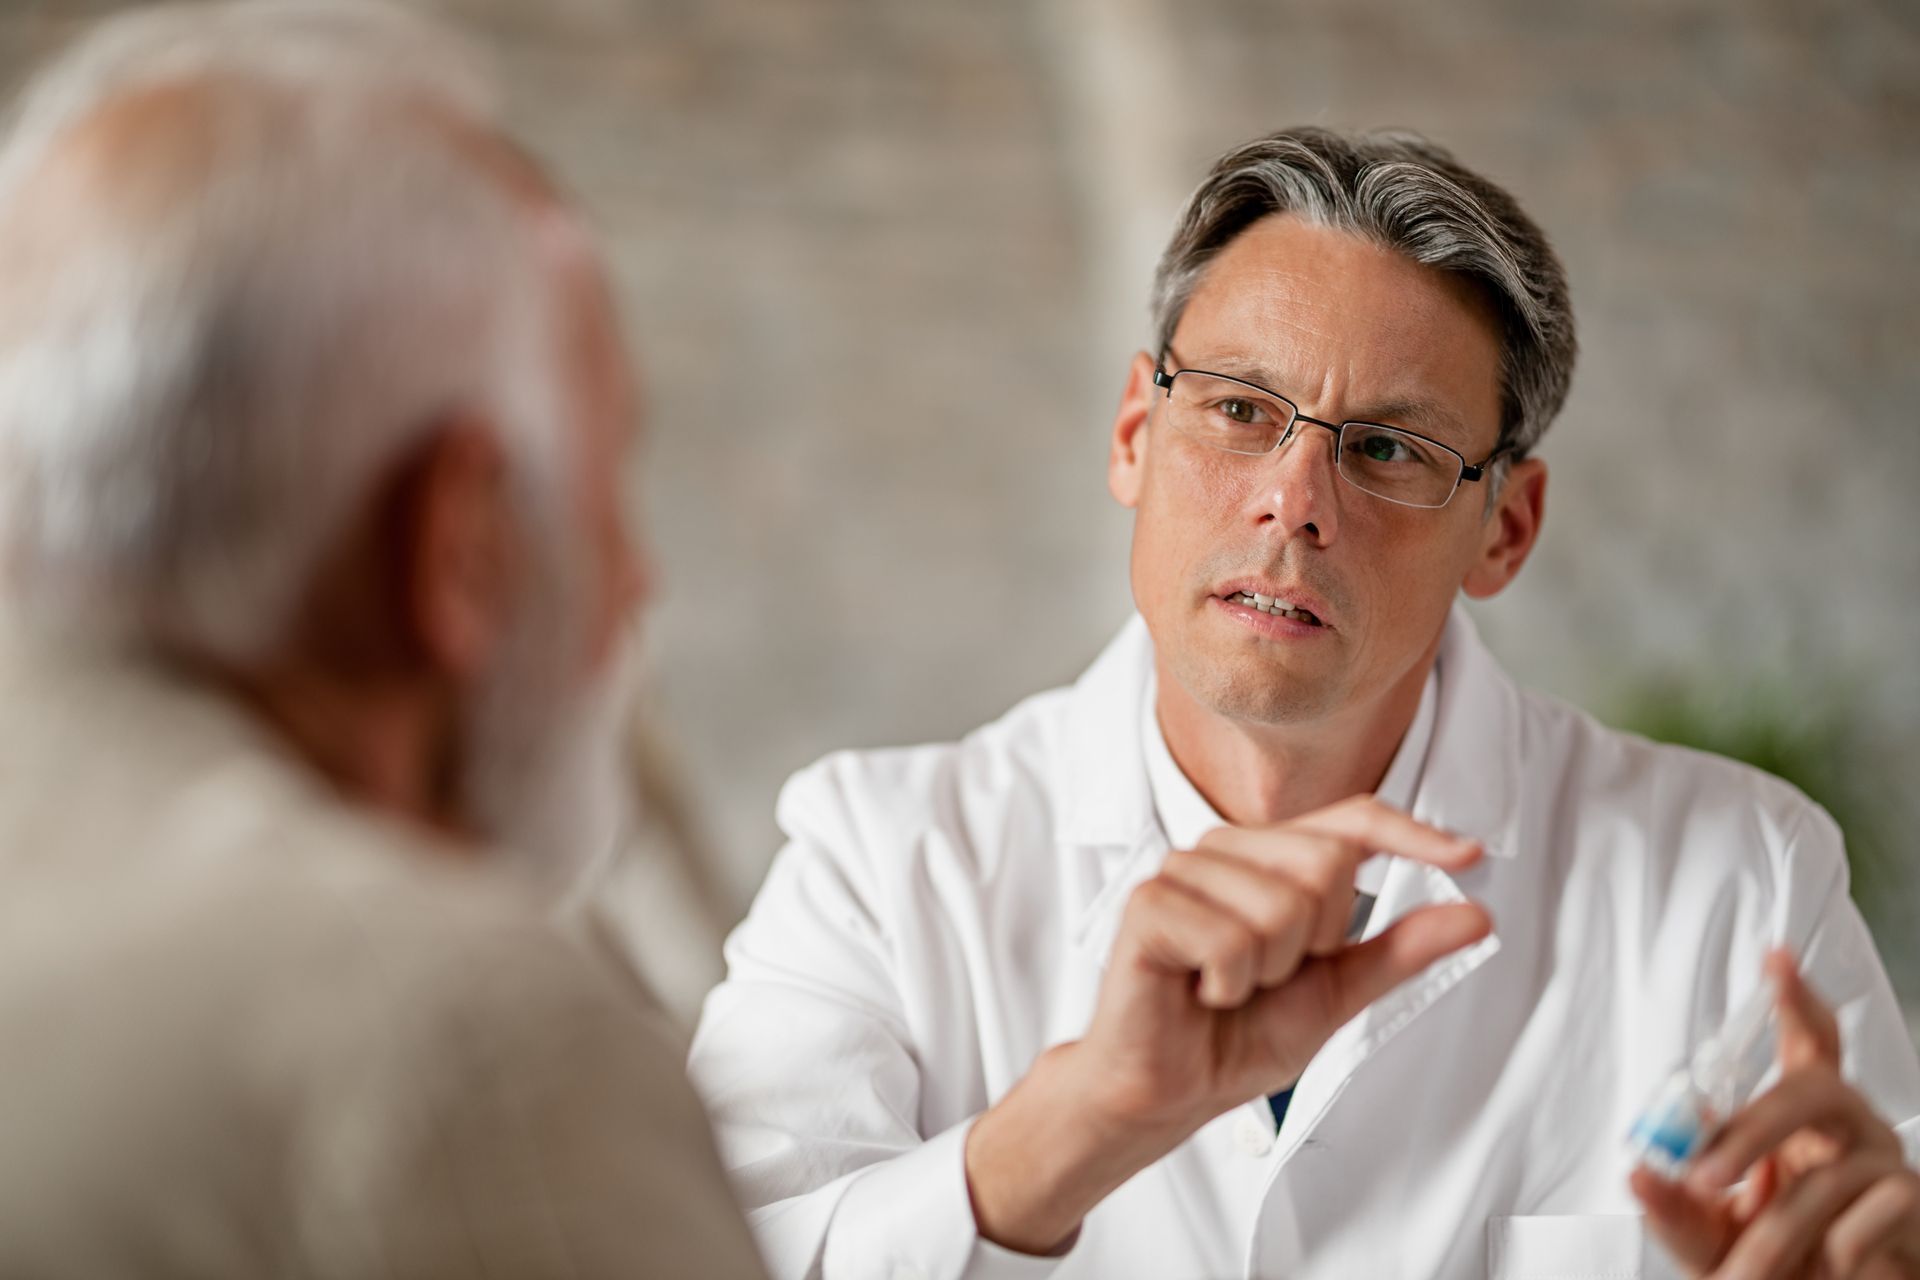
x=1819 y=739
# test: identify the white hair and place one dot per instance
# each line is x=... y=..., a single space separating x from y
x=197 y=388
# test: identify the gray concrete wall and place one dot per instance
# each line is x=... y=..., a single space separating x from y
x=885 y=262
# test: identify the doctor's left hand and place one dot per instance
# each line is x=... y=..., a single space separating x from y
x=1828 y=1194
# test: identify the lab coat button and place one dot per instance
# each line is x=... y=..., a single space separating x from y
x=1252 y=1137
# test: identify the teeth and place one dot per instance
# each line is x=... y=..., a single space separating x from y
x=1272 y=605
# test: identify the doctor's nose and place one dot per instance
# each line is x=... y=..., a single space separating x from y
x=1300 y=489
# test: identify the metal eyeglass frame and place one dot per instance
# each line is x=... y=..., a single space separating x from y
x=1470 y=472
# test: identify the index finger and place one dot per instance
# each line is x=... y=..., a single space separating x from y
x=1809 y=1033
x=1807 y=1099
x=1381 y=827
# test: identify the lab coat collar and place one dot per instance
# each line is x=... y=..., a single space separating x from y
x=1468 y=785
x=1107 y=800
x=1472 y=780
x=1105 y=812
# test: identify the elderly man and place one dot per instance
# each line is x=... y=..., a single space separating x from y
x=311 y=407
x=1294 y=940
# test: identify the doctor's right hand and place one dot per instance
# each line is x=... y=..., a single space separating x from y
x=1230 y=971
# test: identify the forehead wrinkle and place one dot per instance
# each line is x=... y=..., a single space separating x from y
x=1423 y=416
x=1278 y=325
x=1344 y=328
x=1415 y=412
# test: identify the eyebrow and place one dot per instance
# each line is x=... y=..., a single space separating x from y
x=1422 y=415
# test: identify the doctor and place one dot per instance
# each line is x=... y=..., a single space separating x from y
x=1294 y=939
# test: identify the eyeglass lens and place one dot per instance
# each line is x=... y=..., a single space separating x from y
x=1385 y=462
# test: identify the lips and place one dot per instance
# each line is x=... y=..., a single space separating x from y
x=1277 y=598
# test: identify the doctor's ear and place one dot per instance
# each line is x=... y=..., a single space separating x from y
x=1126 y=455
x=1509 y=531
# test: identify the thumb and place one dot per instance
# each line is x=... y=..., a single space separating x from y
x=1358 y=975
x=1696 y=1233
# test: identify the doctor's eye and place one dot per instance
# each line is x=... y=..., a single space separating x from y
x=1248 y=411
x=1378 y=446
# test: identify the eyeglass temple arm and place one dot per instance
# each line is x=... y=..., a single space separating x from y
x=1478 y=471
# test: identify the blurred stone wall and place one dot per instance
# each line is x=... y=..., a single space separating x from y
x=885 y=262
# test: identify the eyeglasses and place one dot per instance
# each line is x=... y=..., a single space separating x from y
x=1239 y=417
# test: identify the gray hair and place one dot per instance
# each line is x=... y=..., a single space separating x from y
x=198 y=387
x=1411 y=196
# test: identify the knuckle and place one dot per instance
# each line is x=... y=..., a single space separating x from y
x=1842 y=1254
x=1226 y=953
x=1279 y=912
x=1319 y=860
x=1336 y=868
x=1822 y=1018
x=1824 y=1182
x=1331 y=851
x=1285 y=924
x=1151 y=897
x=1763 y=1247
x=1232 y=943
x=1207 y=841
x=1355 y=807
x=1809 y=1082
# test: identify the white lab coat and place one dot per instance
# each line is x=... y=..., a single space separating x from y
x=942 y=915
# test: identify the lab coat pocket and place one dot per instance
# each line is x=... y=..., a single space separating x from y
x=1566 y=1247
